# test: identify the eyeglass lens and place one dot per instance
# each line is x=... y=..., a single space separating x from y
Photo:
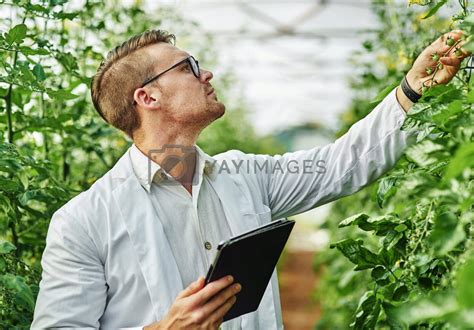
x=195 y=66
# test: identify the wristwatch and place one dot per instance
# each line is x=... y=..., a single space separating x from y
x=409 y=92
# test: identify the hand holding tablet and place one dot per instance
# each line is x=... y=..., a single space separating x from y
x=250 y=258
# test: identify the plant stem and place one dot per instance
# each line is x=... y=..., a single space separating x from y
x=11 y=225
x=425 y=228
x=8 y=97
x=8 y=101
x=45 y=136
x=437 y=67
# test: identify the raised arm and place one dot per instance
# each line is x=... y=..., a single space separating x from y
x=298 y=181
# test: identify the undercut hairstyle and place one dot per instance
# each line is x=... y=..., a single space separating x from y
x=121 y=72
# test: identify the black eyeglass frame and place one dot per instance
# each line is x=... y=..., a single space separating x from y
x=191 y=61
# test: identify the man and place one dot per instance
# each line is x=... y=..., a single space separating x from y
x=133 y=249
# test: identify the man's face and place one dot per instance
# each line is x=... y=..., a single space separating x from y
x=178 y=97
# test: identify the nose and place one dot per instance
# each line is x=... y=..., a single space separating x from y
x=205 y=76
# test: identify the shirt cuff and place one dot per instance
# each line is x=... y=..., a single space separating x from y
x=398 y=103
x=401 y=114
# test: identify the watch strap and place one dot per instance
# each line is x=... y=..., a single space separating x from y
x=409 y=92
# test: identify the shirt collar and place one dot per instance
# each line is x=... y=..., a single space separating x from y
x=147 y=171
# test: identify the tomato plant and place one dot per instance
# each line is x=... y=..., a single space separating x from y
x=403 y=255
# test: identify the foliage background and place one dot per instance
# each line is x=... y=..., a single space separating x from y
x=52 y=143
x=401 y=253
x=413 y=244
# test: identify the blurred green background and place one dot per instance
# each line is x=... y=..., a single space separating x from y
x=54 y=145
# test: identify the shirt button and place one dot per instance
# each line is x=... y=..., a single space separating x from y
x=208 y=245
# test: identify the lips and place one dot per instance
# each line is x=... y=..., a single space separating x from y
x=210 y=92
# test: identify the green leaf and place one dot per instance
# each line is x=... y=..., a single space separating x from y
x=16 y=34
x=2 y=264
x=6 y=247
x=27 y=76
x=401 y=228
x=38 y=8
x=420 y=153
x=380 y=275
x=61 y=94
x=392 y=238
x=452 y=109
x=357 y=253
x=22 y=290
x=400 y=293
x=387 y=257
x=69 y=16
x=353 y=220
x=392 y=321
x=39 y=72
x=383 y=93
x=433 y=10
x=426 y=308
x=386 y=189
x=9 y=185
x=425 y=282
x=443 y=94
x=367 y=312
x=30 y=51
x=68 y=61
x=447 y=233
x=419 y=2
x=470 y=96
x=381 y=225
x=40 y=195
x=23 y=176
x=58 y=2
x=464 y=287
x=378 y=272
x=463 y=159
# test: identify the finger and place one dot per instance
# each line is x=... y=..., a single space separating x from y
x=428 y=82
x=218 y=322
x=221 y=311
x=212 y=289
x=459 y=51
x=455 y=34
x=221 y=298
x=451 y=61
x=192 y=288
x=441 y=46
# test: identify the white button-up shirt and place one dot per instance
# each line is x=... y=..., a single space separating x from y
x=191 y=221
x=194 y=225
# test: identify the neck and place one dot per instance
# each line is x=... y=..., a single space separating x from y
x=175 y=153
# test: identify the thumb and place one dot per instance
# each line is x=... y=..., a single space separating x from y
x=192 y=288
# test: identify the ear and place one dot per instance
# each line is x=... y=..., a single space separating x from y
x=146 y=98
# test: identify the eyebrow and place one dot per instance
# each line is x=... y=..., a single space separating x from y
x=185 y=55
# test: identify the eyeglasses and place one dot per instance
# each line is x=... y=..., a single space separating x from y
x=194 y=65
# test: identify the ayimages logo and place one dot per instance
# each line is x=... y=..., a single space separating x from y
x=281 y=166
x=176 y=160
x=180 y=165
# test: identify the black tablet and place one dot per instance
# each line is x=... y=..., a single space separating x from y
x=250 y=258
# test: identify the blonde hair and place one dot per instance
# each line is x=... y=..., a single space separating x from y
x=121 y=72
